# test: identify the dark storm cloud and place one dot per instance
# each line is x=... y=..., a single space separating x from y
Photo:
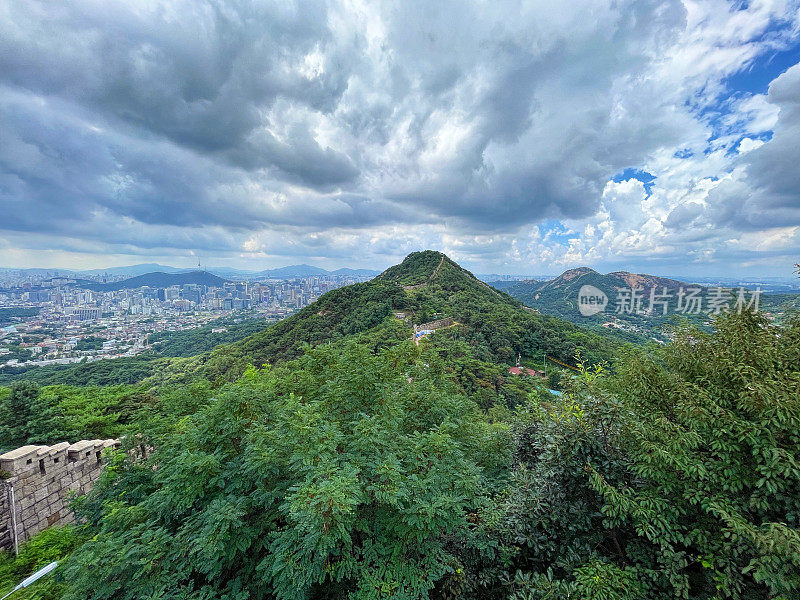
x=60 y=171
x=300 y=159
x=196 y=73
x=207 y=77
x=165 y=124
x=544 y=137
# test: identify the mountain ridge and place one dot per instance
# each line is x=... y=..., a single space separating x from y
x=132 y=270
x=558 y=297
x=286 y=272
x=618 y=279
x=425 y=286
x=487 y=326
x=159 y=279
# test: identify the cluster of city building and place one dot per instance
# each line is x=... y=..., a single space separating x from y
x=61 y=323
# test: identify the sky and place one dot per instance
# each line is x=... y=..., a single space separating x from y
x=517 y=137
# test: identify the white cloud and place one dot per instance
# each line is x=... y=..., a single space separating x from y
x=354 y=132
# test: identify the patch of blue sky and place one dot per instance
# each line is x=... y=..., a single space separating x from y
x=733 y=148
x=647 y=179
x=756 y=76
x=555 y=231
x=752 y=79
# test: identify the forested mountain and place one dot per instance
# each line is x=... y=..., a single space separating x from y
x=659 y=304
x=133 y=270
x=491 y=327
x=224 y=330
x=162 y=280
x=560 y=297
x=425 y=286
x=330 y=457
x=349 y=473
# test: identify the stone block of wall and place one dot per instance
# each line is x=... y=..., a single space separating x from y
x=38 y=481
x=6 y=542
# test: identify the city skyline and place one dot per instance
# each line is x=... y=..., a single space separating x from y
x=655 y=138
x=53 y=322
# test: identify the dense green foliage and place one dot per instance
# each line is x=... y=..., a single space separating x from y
x=15 y=351
x=90 y=342
x=53 y=544
x=203 y=339
x=678 y=477
x=559 y=298
x=7 y=314
x=417 y=269
x=361 y=474
x=342 y=312
x=359 y=465
x=47 y=415
x=334 y=475
x=101 y=372
x=493 y=323
x=17 y=411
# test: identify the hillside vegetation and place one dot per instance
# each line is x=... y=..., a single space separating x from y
x=348 y=473
x=425 y=286
x=491 y=329
x=330 y=457
x=559 y=297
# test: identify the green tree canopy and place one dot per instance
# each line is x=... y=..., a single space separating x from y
x=679 y=473
x=342 y=474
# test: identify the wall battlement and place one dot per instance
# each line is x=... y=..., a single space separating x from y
x=36 y=481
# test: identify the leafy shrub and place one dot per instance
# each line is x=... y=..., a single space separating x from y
x=52 y=544
x=679 y=474
x=341 y=474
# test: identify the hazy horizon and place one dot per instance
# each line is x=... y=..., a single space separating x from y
x=791 y=277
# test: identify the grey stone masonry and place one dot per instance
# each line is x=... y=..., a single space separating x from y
x=37 y=482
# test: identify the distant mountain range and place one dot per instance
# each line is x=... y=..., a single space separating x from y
x=288 y=272
x=310 y=271
x=571 y=280
x=134 y=270
x=560 y=297
x=768 y=284
x=160 y=280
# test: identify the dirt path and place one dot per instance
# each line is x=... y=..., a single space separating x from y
x=436 y=270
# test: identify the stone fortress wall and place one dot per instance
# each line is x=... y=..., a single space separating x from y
x=433 y=325
x=36 y=482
